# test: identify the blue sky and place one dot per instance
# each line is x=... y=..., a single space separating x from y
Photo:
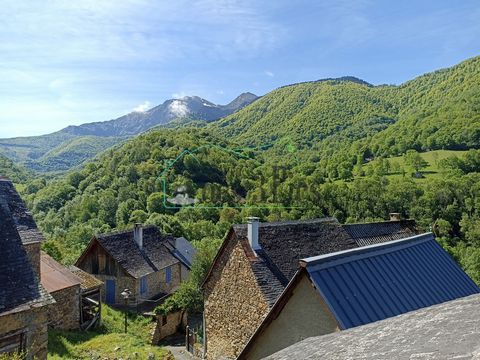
x=71 y=62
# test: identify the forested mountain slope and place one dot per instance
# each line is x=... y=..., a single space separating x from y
x=439 y=110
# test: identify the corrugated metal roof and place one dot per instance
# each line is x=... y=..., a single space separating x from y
x=376 y=282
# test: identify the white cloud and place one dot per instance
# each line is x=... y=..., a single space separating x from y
x=146 y=105
x=269 y=73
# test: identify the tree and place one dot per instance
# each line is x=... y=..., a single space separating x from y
x=415 y=160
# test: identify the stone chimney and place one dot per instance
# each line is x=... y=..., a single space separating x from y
x=138 y=235
x=252 y=233
x=395 y=216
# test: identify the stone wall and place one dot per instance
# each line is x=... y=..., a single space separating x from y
x=156 y=284
x=234 y=304
x=122 y=282
x=167 y=325
x=65 y=313
x=33 y=252
x=34 y=323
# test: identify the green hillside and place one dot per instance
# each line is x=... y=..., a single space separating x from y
x=303 y=151
x=10 y=170
x=72 y=153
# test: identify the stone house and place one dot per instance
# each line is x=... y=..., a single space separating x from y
x=350 y=288
x=145 y=261
x=55 y=278
x=23 y=300
x=256 y=262
x=64 y=287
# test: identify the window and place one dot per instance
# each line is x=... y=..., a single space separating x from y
x=168 y=275
x=143 y=285
x=13 y=342
x=164 y=320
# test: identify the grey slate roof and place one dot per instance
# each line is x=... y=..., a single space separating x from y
x=379 y=281
x=22 y=217
x=450 y=330
x=20 y=289
x=379 y=232
x=156 y=253
x=285 y=243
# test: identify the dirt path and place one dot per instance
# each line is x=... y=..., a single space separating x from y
x=179 y=352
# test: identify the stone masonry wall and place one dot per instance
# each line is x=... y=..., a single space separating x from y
x=173 y=321
x=34 y=322
x=155 y=284
x=234 y=304
x=33 y=252
x=65 y=313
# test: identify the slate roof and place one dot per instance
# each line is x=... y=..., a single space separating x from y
x=379 y=232
x=20 y=288
x=54 y=276
x=283 y=244
x=87 y=281
x=155 y=255
x=22 y=217
x=450 y=330
x=379 y=281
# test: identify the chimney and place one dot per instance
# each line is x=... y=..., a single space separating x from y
x=395 y=216
x=138 y=235
x=252 y=233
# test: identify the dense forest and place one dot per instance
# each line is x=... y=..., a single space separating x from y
x=340 y=148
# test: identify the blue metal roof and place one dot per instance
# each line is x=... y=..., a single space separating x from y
x=375 y=282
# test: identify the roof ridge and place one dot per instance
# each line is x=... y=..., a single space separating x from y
x=388 y=246
x=294 y=222
x=380 y=222
x=119 y=232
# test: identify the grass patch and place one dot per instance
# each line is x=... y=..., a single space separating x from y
x=431 y=157
x=108 y=341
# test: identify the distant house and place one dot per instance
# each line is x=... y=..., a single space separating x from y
x=450 y=330
x=355 y=287
x=145 y=261
x=256 y=262
x=64 y=287
x=23 y=300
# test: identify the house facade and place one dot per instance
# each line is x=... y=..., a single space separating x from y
x=142 y=260
x=355 y=287
x=256 y=262
x=23 y=300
